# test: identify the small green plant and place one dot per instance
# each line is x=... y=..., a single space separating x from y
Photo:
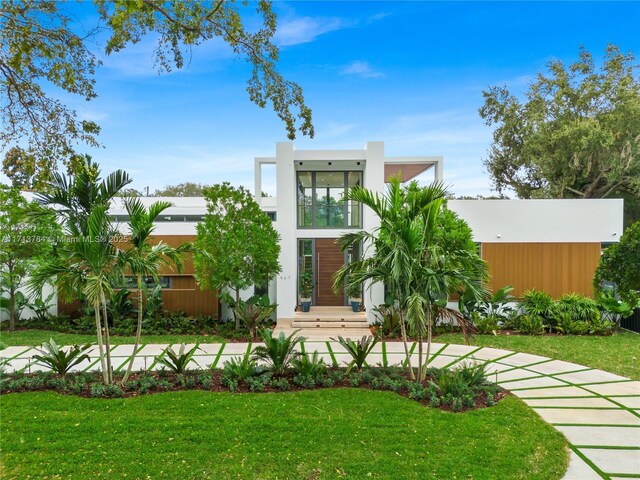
x=540 y=304
x=280 y=384
x=241 y=368
x=359 y=350
x=388 y=320
x=304 y=381
x=41 y=305
x=461 y=381
x=177 y=362
x=254 y=312
x=579 y=307
x=277 y=352
x=257 y=384
x=485 y=324
x=59 y=360
x=99 y=390
x=153 y=302
x=306 y=283
x=312 y=365
x=529 y=324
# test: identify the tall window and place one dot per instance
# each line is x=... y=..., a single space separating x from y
x=321 y=200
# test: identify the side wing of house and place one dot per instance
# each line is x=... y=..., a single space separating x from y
x=551 y=245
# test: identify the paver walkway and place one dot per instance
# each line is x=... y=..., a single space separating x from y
x=597 y=411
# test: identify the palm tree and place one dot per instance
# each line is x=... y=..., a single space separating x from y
x=406 y=256
x=85 y=261
x=142 y=259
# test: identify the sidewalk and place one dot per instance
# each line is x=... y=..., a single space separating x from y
x=597 y=411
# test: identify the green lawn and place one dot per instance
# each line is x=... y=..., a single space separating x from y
x=619 y=353
x=36 y=337
x=321 y=434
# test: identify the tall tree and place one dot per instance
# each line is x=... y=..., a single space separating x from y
x=186 y=189
x=40 y=48
x=25 y=239
x=620 y=263
x=237 y=246
x=143 y=259
x=577 y=135
x=85 y=264
x=418 y=261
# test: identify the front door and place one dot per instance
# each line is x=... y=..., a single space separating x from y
x=329 y=259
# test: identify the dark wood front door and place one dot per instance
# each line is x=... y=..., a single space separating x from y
x=329 y=258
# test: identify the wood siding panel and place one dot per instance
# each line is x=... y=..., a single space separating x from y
x=331 y=258
x=184 y=294
x=556 y=268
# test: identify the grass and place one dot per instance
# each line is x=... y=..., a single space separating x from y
x=37 y=337
x=618 y=353
x=321 y=434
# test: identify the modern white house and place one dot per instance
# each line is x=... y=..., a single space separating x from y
x=553 y=245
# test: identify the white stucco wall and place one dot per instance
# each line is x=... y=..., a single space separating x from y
x=531 y=221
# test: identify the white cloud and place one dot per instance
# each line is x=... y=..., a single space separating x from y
x=297 y=30
x=362 y=69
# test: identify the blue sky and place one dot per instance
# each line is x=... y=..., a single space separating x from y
x=408 y=73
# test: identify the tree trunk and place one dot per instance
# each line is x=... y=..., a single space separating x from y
x=107 y=342
x=234 y=310
x=103 y=366
x=429 y=334
x=12 y=308
x=403 y=330
x=138 y=332
x=420 y=367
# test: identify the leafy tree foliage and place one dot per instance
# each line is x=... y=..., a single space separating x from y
x=186 y=189
x=41 y=49
x=237 y=246
x=25 y=239
x=620 y=263
x=577 y=135
x=420 y=264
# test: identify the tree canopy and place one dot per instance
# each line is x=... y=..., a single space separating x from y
x=25 y=239
x=237 y=246
x=41 y=48
x=577 y=134
x=620 y=263
x=186 y=189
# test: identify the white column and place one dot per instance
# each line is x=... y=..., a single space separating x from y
x=373 y=180
x=286 y=282
x=257 y=188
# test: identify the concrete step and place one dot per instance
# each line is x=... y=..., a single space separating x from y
x=329 y=324
x=330 y=318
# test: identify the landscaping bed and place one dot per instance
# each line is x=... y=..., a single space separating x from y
x=466 y=388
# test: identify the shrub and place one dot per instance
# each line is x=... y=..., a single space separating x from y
x=59 y=360
x=277 y=352
x=485 y=323
x=540 y=304
x=529 y=324
x=359 y=350
x=100 y=390
x=304 y=380
x=313 y=365
x=280 y=384
x=579 y=307
x=387 y=320
x=257 y=384
x=177 y=362
x=241 y=368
